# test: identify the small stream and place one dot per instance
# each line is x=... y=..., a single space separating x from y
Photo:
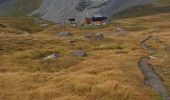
x=151 y=77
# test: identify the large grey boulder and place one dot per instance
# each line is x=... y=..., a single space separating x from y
x=78 y=53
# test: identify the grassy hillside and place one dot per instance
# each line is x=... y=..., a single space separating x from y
x=24 y=75
x=21 y=7
x=110 y=70
x=160 y=6
x=21 y=24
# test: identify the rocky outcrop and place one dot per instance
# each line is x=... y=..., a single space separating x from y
x=61 y=10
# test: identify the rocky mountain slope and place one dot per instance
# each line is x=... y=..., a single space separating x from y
x=59 y=10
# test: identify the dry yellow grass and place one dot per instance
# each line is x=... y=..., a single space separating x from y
x=161 y=64
x=109 y=72
x=160 y=42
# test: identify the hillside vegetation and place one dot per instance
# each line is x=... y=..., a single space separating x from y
x=103 y=74
x=21 y=7
x=160 y=6
x=109 y=71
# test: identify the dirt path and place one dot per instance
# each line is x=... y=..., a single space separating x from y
x=151 y=77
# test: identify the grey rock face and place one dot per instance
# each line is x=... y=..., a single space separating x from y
x=78 y=53
x=61 y=10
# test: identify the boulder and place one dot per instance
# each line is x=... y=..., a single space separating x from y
x=52 y=56
x=65 y=34
x=78 y=53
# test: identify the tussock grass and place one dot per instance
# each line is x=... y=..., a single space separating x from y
x=110 y=72
x=21 y=8
x=109 y=47
x=21 y=23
